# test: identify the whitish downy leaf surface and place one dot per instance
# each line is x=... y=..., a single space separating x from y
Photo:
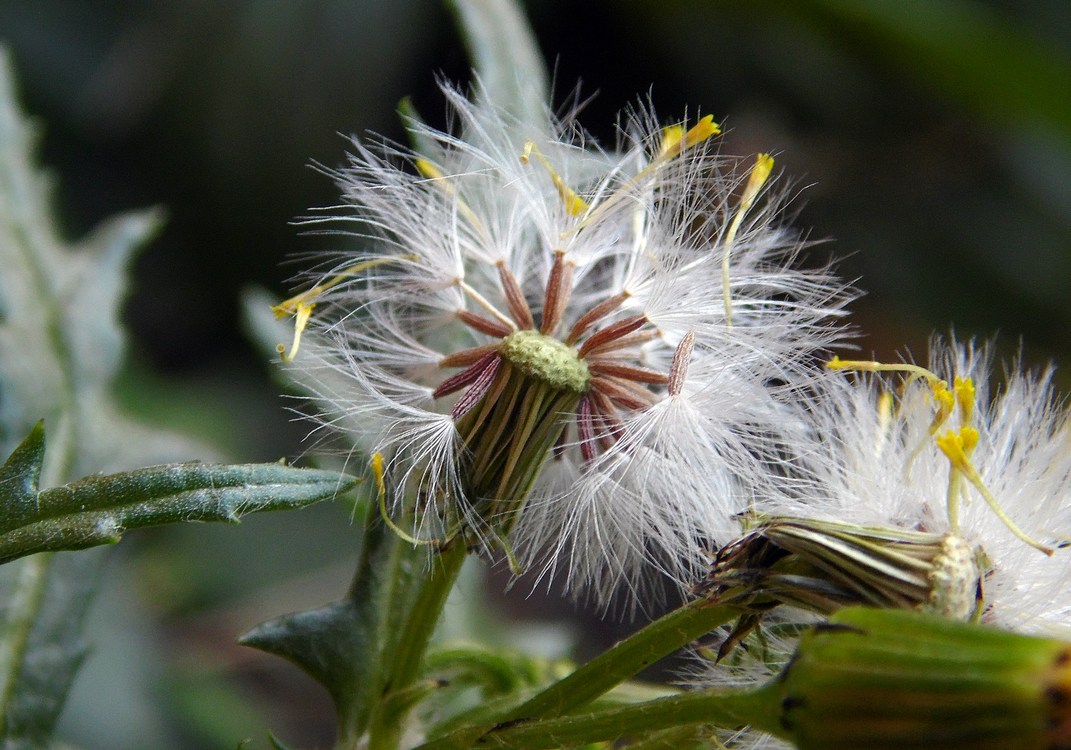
x=60 y=337
x=60 y=346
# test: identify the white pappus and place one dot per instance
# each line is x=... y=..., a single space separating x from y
x=563 y=352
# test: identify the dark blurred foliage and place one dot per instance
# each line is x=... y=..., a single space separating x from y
x=930 y=141
x=938 y=165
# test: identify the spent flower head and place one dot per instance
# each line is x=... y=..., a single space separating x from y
x=928 y=459
x=917 y=489
x=557 y=350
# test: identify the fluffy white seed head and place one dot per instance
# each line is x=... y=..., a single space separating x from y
x=660 y=270
x=876 y=459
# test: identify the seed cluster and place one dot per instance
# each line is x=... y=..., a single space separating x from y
x=601 y=364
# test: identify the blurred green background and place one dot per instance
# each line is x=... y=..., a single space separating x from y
x=930 y=142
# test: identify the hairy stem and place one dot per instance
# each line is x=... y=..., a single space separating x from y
x=625 y=659
x=424 y=588
x=714 y=708
x=622 y=661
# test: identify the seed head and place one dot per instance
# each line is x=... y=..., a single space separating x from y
x=562 y=352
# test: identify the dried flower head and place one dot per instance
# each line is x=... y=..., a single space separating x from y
x=557 y=350
x=941 y=457
x=823 y=566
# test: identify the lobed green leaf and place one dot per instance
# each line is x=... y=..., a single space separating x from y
x=336 y=644
x=60 y=345
x=98 y=509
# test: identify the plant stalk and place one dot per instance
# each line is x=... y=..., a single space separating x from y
x=615 y=665
x=714 y=708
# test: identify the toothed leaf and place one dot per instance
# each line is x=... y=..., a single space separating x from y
x=337 y=644
x=60 y=345
x=61 y=341
x=19 y=477
x=324 y=642
x=43 y=646
x=98 y=509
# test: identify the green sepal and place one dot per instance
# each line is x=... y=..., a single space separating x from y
x=98 y=509
x=885 y=679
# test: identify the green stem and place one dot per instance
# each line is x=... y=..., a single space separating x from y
x=403 y=649
x=625 y=659
x=716 y=708
x=622 y=661
x=377 y=570
x=424 y=614
x=685 y=737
